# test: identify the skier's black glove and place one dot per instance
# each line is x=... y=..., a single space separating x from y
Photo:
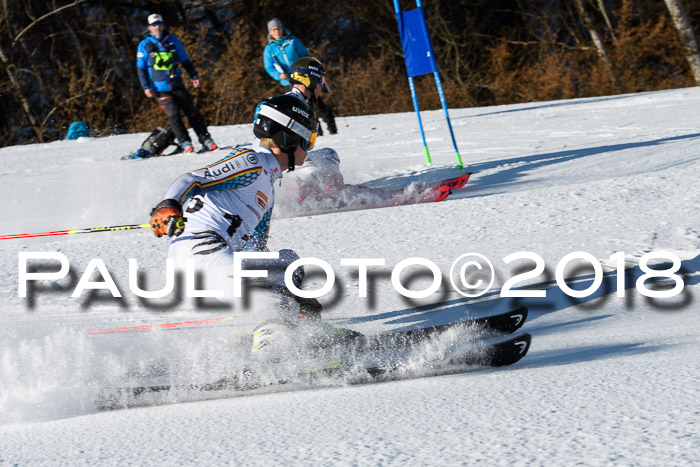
x=166 y=218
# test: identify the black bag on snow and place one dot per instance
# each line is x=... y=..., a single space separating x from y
x=158 y=140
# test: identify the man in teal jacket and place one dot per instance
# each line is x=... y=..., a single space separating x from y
x=157 y=62
x=282 y=50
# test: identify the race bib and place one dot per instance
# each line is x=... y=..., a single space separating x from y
x=163 y=61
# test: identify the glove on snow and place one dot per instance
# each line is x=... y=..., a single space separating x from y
x=166 y=218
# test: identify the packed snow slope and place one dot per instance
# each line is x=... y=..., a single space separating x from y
x=611 y=378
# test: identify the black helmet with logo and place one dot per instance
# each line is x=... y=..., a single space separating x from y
x=288 y=121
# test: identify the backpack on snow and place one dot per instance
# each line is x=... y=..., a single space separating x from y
x=77 y=130
x=158 y=140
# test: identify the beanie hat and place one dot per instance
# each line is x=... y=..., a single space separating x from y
x=274 y=23
x=155 y=18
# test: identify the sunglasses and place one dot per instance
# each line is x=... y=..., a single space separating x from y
x=156 y=24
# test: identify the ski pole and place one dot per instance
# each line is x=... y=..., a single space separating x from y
x=78 y=231
x=157 y=326
x=277 y=66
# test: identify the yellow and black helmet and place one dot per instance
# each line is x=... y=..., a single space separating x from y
x=307 y=71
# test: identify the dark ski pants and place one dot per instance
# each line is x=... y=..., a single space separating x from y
x=324 y=113
x=181 y=100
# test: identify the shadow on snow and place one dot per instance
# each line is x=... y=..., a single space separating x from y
x=521 y=165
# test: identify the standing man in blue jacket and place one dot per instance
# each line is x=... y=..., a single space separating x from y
x=157 y=64
x=281 y=51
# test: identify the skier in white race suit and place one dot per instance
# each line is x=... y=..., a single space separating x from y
x=319 y=177
x=226 y=207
